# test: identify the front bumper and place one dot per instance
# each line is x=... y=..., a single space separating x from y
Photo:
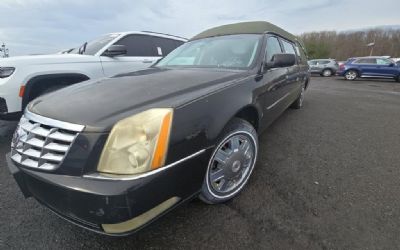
x=340 y=73
x=113 y=207
x=4 y=111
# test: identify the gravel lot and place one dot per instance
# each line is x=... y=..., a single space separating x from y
x=327 y=178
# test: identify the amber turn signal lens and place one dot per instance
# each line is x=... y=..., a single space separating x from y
x=162 y=143
x=21 y=91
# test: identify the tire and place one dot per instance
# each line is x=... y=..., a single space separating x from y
x=231 y=164
x=326 y=73
x=351 y=75
x=398 y=78
x=298 y=104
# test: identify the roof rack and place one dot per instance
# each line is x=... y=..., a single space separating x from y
x=164 y=34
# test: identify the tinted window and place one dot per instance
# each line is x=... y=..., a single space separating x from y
x=366 y=61
x=301 y=52
x=165 y=45
x=382 y=61
x=139 y=45
x=273 y=47
x=288 y=47
x=312 y=62
x=324 y=62
x=94 y=46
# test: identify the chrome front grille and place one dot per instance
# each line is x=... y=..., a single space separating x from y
x=41 y=142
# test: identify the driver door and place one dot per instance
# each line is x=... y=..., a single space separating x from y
x=273 y=81
x=141 y=53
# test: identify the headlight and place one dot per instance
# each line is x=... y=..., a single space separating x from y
x=137 y=144
x=6 y=71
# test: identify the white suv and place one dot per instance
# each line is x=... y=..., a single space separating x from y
x=24 y=78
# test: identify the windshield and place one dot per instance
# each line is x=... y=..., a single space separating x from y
x=234 y=51
x=95 y=45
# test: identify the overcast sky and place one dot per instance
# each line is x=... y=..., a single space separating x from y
x=45 y=26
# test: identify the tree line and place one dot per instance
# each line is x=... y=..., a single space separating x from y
x=343 y=45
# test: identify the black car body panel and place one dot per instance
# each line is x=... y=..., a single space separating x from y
x=203 y=100
x=131 y=93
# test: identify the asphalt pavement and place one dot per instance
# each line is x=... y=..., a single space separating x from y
x=328 y=177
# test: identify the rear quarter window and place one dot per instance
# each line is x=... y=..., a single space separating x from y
x=289 y=48
x=365 y=61
x=301 y=53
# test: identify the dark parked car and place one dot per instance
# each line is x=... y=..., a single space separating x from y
x=375 y=67
x=112 y=155
x=323 y=67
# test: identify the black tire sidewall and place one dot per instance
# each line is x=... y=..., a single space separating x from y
x=297 y=104
x=235 y=126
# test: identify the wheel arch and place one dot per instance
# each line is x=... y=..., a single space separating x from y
x=354 y=69
x=250 y=114
x=39 y=83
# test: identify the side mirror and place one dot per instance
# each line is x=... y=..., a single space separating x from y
x=391 y=65
x=115 y=50
x=281 y=61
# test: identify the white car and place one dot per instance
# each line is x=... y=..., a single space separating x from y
x=24 y=78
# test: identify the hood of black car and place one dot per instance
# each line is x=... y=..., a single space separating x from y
x=99 y=104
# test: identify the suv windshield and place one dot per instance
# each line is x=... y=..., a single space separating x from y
x=95 y=45
x=233 y=51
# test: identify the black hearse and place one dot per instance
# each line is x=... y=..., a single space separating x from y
x=113 y=155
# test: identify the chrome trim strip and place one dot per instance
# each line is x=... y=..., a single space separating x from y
x=380 y=76
x=52 y=122
x=278 y=101
x=98 y=176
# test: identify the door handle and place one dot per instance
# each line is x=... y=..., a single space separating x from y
x=147 y=61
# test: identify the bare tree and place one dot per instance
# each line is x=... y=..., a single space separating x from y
x=344 y=45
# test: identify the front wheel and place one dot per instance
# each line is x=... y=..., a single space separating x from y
x=351 y=75
x=231 y=163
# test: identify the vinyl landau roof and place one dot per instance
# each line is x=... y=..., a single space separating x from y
x=259 y=27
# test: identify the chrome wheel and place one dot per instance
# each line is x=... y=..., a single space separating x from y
x=231 y=165
x=301 y=99
x=351 y=75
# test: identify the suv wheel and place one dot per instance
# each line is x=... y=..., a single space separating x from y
x=327 y=72
x=351 y=75
x=231 y=163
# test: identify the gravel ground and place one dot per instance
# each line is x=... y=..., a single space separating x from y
x=327 y=178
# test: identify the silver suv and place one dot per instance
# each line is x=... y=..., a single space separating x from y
x=324 y=67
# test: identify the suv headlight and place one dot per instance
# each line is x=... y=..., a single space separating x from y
x=6 y=71
x=137 y=144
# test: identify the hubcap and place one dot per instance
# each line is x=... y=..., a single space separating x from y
x=327 y=73
x=351 y=75
x=231 y=164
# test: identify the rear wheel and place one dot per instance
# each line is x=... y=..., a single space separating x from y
x=298 y=104
x=231 y=163
x=327 y=72
x=351 y=75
